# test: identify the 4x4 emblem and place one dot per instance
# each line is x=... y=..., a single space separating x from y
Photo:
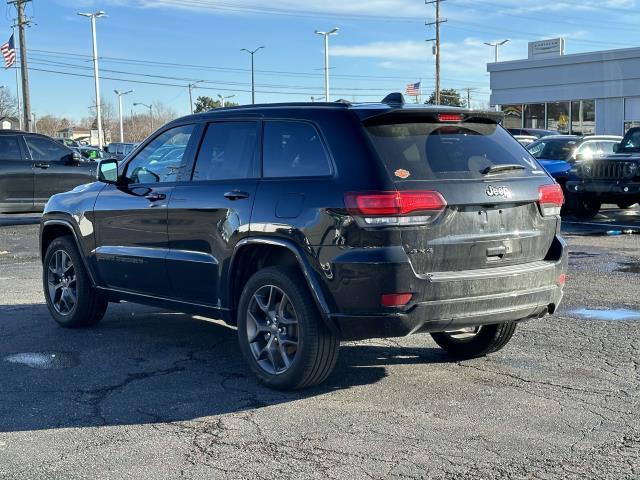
x=499 y=192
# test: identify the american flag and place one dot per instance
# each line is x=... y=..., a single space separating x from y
x=413 y=89
x=9 y=53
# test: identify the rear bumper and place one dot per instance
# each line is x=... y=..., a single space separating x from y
x=448 y=301
x=604 y=187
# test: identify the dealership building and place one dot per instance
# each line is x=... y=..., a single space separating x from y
x=582 y=93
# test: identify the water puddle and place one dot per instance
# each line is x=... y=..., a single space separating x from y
x=621 y=314
x=43 y=360
x=628 y=267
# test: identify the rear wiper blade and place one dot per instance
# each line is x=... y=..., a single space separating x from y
x=502 y=168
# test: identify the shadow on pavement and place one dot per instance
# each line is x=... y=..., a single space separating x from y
x=143 y=366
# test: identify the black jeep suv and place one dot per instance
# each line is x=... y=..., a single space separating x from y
x=307 y=224
x=611 y=179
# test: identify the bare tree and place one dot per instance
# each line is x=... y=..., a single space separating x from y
x=8 y=103
x=50 y=125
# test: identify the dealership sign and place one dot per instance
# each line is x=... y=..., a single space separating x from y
x=546 y=48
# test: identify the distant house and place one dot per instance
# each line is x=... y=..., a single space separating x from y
x=9 y=123
x=83 y=135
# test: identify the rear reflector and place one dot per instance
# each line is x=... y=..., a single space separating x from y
x=396 y=299
x=449 y=117
x=551 y=199
x=562 y=279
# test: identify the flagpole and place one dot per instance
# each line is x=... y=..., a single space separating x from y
x=13 y=31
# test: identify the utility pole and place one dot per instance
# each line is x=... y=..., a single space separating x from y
x=469 y=90
x=35 y=124
x=191 y=86
x=326 y=35
x=253 y=77
x=26 y=97
x=437 y=23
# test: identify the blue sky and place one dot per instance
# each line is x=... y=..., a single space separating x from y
x=380 y=47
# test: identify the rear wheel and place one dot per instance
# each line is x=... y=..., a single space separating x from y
x=281 y=334
x=475 y=341
x=71 y=299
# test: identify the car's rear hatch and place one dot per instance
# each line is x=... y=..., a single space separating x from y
x=491 y=215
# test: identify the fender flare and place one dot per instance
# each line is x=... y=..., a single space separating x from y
x=69 y=225
x=309 y=275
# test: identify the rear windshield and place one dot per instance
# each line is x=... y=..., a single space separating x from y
x=424 y=151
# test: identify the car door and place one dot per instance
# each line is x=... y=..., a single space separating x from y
x=131 y=218
x=210 y=212
x=55 y=169
x=16 y=175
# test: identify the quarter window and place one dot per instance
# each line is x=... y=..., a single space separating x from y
x=294 y=149
x=227 y=151
x=160 y=160
x=9 y=148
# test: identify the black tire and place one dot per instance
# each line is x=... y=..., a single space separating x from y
x=89 y=306
x=584 y=206
x=487 y=339
x=626 y=205
x=316 y=350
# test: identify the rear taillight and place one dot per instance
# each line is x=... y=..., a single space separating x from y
x=551 y=199
x=395 y=208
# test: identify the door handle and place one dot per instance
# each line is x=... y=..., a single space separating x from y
x=155 y=196
x=44 y=166
x=236 y=195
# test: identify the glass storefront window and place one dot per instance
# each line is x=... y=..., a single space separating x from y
x=512 y=116
x=558 y=116
x=583 y=117
x=534 y=116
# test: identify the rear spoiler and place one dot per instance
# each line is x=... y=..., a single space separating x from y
x=433 y=115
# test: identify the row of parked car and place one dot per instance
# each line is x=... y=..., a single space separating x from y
x=592 y=169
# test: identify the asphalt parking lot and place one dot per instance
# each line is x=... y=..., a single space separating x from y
x=155 y=394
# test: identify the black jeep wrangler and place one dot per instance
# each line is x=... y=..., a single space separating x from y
x=307 y=224
x=612 y=179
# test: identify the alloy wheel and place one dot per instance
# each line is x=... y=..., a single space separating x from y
x=272 y=329
x=61 y=281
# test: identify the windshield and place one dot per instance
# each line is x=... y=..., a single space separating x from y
x=552 y=149
x=631 y=142
x=424 y=151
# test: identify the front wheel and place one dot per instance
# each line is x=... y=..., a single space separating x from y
x=626 y=205
x=475 y=341
x=281 y=334
x=71 y=299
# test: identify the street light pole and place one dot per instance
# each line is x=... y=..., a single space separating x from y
x=326 y=35
x=253 y=77
x=120 y=95
x=222 y=99
x=150 y=107
x=497 y=46
x=96 y=73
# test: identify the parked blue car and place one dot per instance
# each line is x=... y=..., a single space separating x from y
x=557 y=153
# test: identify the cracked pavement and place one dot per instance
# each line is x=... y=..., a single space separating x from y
x=155 y=394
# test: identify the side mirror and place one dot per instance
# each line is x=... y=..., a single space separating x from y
x=616 y=147
x=108 y=171
x=76 y=157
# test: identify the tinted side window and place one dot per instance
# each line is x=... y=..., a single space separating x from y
x=293 y=149
x=9 y=148
x=160 y=160
x=227 y=151
x=43 y=149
